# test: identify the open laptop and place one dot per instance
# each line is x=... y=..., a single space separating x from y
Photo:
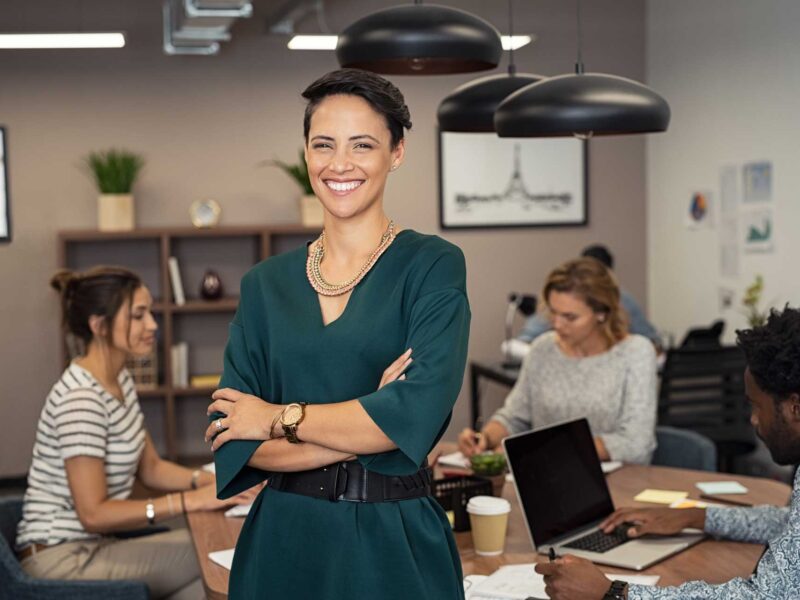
x=564 y=497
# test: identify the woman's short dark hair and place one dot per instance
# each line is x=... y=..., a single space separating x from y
x=381 y=94
x=100 y=291
x=772 y=352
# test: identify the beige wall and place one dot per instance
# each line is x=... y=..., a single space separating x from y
x=204 y=123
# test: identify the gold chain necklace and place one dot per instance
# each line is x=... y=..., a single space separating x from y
x=314 y=260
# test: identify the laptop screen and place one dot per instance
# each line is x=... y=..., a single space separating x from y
x=559 y=480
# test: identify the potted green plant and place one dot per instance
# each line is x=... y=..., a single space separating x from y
x=114 y=172
x=311 y=214
x=491 y=465
x=751 y=300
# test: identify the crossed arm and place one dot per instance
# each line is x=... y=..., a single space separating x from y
x=331 y=432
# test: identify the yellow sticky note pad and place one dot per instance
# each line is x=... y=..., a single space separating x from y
x=660 y=496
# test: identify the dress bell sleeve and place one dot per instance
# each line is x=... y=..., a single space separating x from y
x=415 y=412
x=232 y=471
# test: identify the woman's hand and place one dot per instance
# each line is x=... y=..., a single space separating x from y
x=395 y=371
x=205 y=498
x=470 y=442
x=246 y=417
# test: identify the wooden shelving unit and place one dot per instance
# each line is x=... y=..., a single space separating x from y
x=229 y=250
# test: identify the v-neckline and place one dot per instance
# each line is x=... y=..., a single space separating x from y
x=321 y=318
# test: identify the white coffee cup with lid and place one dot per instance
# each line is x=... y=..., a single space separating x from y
x=488 y=518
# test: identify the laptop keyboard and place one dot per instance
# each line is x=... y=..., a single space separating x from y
x=597 y=541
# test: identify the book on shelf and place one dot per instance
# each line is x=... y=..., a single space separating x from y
x=175 y=280
x=203 y=381
x=180 y=365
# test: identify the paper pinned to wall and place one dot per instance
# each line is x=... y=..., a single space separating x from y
x=700 y=212
x=726 y=296
x=729 y=222
x=758 y=231
x=757 y=182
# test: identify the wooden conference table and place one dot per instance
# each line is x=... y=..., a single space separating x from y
x=711 y=560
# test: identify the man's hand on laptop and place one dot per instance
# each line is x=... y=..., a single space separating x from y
x=660 y=521
x=573 y=578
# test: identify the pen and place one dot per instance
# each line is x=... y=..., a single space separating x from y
x=478 y=426
x=724 y=500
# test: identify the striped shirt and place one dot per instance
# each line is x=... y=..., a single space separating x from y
x=79 y=418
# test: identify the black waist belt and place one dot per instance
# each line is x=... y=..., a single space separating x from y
x=351 y=482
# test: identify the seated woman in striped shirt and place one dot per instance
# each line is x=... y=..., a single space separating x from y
x=91 y=444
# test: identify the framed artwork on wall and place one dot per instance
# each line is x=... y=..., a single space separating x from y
x=5 y=213
x=488 y=182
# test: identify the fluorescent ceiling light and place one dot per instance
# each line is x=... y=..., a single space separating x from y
x=26 y=41
x=328 y=42
x=512 y=42
x=313 y=42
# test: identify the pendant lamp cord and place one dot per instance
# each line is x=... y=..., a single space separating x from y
x=512 y=68
x=579 y=64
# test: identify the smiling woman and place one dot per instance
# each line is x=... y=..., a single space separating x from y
x=91 y=444
x=342 y=367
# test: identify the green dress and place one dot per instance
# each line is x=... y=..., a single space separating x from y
x=298 y=547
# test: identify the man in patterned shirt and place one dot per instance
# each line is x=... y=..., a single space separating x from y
x=772 y=385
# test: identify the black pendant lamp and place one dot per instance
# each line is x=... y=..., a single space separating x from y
x=471 y=106
x=583 y=105
x=420 y=39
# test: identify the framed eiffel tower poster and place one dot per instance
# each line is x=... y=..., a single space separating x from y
x=487 y=181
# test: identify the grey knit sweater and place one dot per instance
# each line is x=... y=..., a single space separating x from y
x=615 y=391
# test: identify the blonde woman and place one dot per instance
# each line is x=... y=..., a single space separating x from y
x=587 y=366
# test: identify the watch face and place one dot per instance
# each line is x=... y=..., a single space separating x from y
x=292 y=414
x=205 y=213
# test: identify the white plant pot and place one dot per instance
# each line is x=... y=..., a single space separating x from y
x=311 y=213
x=115 y=212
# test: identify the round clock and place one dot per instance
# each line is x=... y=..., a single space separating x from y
x=205 y=213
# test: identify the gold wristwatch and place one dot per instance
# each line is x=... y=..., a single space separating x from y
x=291 y=417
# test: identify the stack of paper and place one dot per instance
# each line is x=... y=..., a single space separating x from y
x=455 y=459
x=223 y=558
x=240 y=510
x=721 y=487
x=517 y=582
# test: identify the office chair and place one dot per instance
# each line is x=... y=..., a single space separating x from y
x=702 y=389
x=17 y=584
x=684 y=449
x=704 y=337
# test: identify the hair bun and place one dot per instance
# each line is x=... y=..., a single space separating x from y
x=62 y=280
